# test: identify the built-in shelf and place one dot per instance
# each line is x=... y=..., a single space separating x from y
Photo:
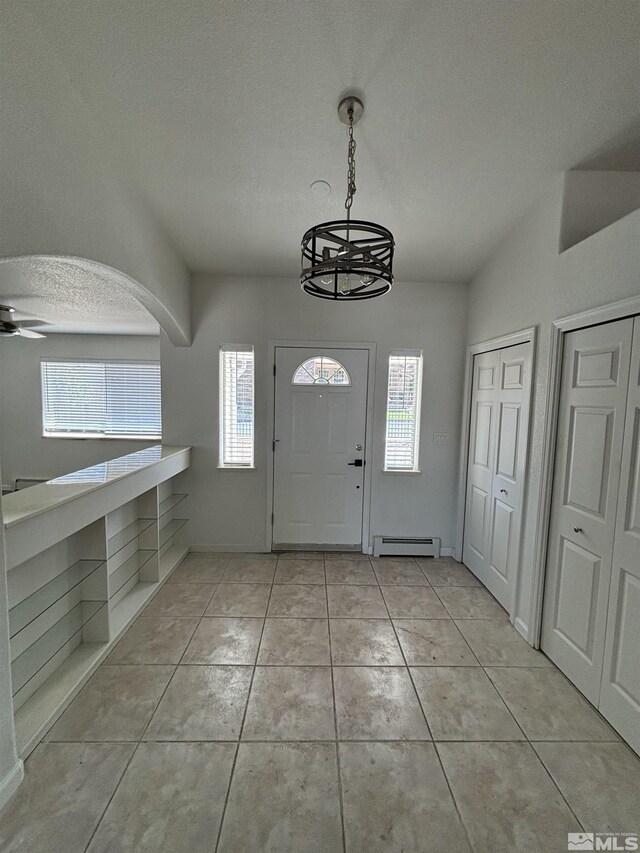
x=121 y=539
x=167 y=532
x=66 y=616
x=46 y=596
x=170 y=503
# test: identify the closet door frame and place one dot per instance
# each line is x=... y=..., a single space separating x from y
x=593 y=317
x=523 y=336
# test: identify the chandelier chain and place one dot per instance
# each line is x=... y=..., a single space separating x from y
x=351 y=166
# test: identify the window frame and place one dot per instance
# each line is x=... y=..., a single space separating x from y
x=87 y=434
x=235 y=466
x=406 y=353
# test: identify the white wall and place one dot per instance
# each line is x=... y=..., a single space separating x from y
x=527 y=282
x=67 y=194
x=23 y=450
x=228 y=508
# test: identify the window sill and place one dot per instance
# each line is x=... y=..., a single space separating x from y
x=99 y=437
x=395 y=471
x=236 y=467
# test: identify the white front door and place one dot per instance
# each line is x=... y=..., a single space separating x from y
x=319 y=436
x=496 y=467
x=593 y=397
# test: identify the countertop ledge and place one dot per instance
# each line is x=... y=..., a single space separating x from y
x=35 y=500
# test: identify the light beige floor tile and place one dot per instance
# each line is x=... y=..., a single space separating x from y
x=420 y=602
x=396 y=799
x=377 y=703
x=225 y=639
x=547 y=706
x=393 y=560
x=364 y=642
x=600 y=781
x=302 y=642
x=497 y=643
x=467 y=603
x=65 y=790
x=300 y=571
x=199 y=568
x=160 y=639
x=356 y=602
x=447 y=573
x=330 y=556
x=239 y=599
x=461 y=703
x=180 y=599
x=300 y=555
x=433 y=642
x=170 y=799
x=290 y=703
x=258 y=569
x=116 y=704
x=202 y=703
x=403 y=573
x=298 y=600
x=350 y=571
x=506 y=798
x=294 y=802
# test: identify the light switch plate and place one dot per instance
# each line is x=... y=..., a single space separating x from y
x=441 y=437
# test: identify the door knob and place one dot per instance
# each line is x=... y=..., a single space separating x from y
x=577 y=530
x=357 y=463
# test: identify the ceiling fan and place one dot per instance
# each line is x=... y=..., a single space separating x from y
x=24 y=328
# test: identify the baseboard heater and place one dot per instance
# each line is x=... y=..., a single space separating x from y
x=406 y=546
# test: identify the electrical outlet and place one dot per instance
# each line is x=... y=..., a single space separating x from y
x=441 y=437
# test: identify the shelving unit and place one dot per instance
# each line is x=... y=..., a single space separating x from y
x=71 y=602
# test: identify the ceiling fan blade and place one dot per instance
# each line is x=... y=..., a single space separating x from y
x=30 y=333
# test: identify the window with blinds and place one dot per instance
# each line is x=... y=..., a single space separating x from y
x=236 y=406
x=404 y=391
x=114 y=399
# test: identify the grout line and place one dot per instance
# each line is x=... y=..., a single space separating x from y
x=244 y=715
x=113 y=793
x=446 y=778
x=335 y=714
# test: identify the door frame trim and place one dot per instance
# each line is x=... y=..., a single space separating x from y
x=592 y=317
x=524 y=336
x=368 y=438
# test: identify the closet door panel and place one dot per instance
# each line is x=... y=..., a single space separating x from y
x=620 y=690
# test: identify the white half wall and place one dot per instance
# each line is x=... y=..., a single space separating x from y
x=10 y=767
x=527 y=282
x=228 y=508
x=23 y=450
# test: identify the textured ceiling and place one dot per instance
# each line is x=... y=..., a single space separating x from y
x=67 y=297
x=224 y=113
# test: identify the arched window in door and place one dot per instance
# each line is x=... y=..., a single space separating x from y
x=321 y=370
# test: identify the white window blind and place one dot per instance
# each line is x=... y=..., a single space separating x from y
x=236 y=406
x=101 y=398
x=403 y=411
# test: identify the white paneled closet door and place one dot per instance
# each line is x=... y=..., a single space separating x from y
x=593 y=399
x=496 y=468
x=620 y=691
x=591 y=615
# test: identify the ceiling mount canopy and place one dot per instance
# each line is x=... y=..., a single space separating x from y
x=348 y=259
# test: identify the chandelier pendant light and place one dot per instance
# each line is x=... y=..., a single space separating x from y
x=348 y=259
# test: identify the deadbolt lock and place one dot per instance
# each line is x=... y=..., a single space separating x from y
x=358 y=447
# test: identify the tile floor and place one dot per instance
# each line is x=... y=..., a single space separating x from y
x=323 y=703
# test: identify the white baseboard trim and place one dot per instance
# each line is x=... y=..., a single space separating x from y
x=11 y=783
x=447 y=552
x=216 y=549
x=521 y=628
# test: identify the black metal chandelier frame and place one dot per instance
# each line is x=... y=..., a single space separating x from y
x=347 y=259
